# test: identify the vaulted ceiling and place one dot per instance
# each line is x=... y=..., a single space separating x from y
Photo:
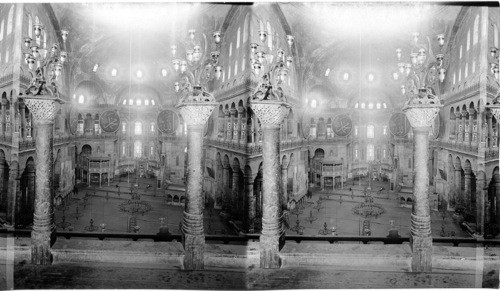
x=355 y=38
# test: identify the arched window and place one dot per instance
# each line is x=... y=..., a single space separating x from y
x=460 y=55
x=370 y=131
x=10 y=20
x=476 y=30
x=378 y=106
x=269 y=36
x=7 y=56
x=229 y=73
x=370 y=152
x=81 y=99
x=124 y=127
x=124 y=148
x=137 y=149
x=138 y=128
x=356 y=152
x=370 y=105
x=235 y=68
x=152 y=102
x=459 y=75
x=473 y=66
x=152 y=127
x=356 y=130
x=454 y=78
x=468 y=40
x=30 y=26
x=385 y=105
x=384 y=130
x=466 y=69
x=363 y=105
x=243 y=62
x=238 y=38
x=245 y=29
x=356 y=106
x=230 y=49
x=223 y=76
x=146 y=102
x=1 y=30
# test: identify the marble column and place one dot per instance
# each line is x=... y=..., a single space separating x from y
x=271 y=115
x=490 y=129
x=12 y=192
x=481 y=192
x=234 y=202
x=284 y=180
x=3 y=195
x=251 y=200
x=496 y=208
x=22 y=126
x=421 y=117
x=227 y=127
x=459 y=127
x=467 y=189
x=196 y=115
x=31 y=186
x=237 y=134
x=495 y=109
x=226 y=198
x=458 y=182
x=43 y=109
x=232 y=129
x=3 y=117
x=258 y=197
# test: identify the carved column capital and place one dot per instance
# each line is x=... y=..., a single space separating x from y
x=495 y=109
x=422 y=116
x=195 y=113
x=43 y=108
x=270 y=112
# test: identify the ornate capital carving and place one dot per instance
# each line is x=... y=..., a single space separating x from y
x=270 y=112
x=422 y=116
x=495 y=109
x=43 y=108
x=196 y=113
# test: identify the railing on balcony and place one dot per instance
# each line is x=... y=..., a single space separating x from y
x=226 y=239
x=465 y=147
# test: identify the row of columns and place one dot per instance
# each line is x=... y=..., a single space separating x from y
x=236 y=126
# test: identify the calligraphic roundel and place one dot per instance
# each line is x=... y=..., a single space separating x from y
x=342 y=125
x=167 y=121
x=109 y=121
x=399 y=124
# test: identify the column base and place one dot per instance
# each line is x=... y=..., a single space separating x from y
x=194 y=251
x=270 y=247
x=421 y=248
x=40 y=247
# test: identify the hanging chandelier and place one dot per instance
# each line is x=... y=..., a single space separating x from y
x=422 y=68
x=44 y=64
x=270 y=67
x=197 y=66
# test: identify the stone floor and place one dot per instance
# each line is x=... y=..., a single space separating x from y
x=335 y=211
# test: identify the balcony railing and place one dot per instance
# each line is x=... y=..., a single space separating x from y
x=226 y=239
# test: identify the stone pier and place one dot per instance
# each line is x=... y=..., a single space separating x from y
x=421 y=117
x=271 y=115
x=193 y=237
x=43 y=109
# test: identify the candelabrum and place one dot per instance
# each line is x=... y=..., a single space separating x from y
x=197 y=69
x=271 y=68
x=45 y=65
x=423 y=70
